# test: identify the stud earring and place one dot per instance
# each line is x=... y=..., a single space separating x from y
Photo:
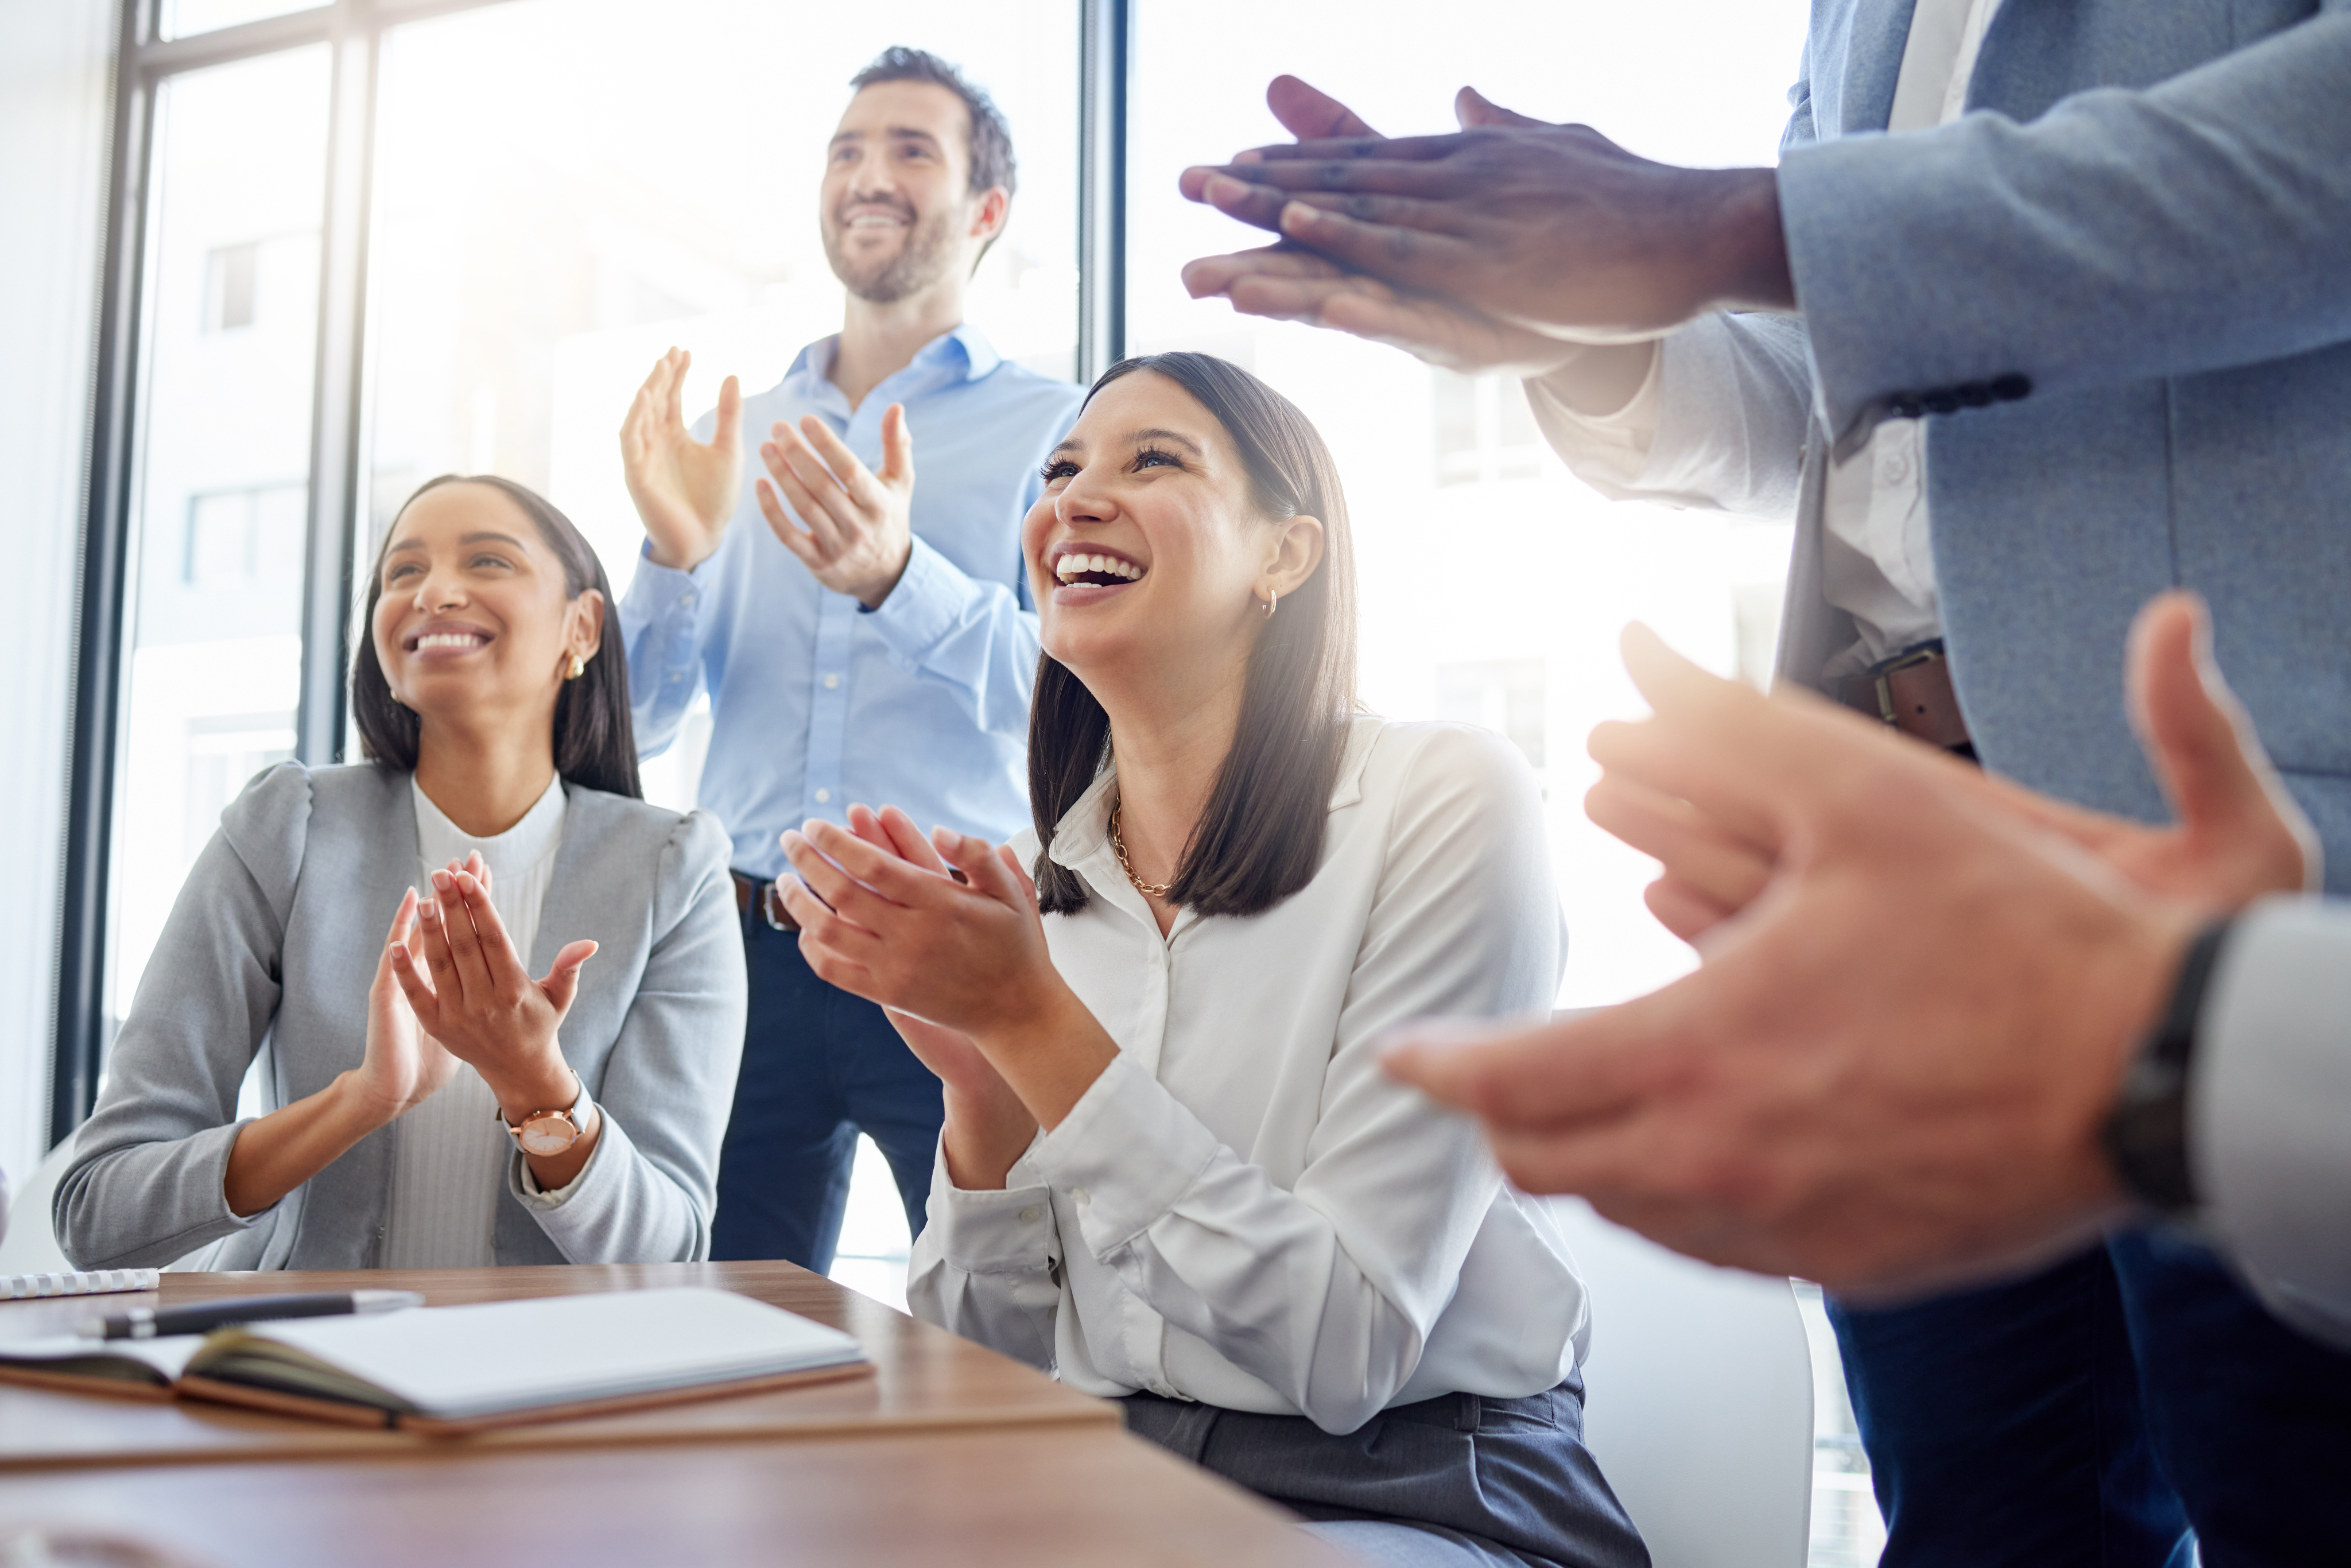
x=1271 y=599
x=578 y=668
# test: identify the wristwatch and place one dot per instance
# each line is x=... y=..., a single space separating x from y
x=2146 y=1133
x=551 y=1132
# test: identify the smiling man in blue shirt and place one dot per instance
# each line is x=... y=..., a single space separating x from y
x=862 y=637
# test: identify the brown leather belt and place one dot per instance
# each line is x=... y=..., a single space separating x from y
x=770 y=902
x=1912 y=692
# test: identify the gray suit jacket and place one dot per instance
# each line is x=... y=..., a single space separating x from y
x=2150 y=236
x=270 y=949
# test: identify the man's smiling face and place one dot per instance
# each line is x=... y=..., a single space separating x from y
x=896 y=207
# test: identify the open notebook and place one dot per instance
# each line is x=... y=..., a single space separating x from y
x=458 y=1369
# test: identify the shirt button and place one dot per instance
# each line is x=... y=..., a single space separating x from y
x=686 y=599
x=1084 y=1198
x=1031 y=1215
x=822 y=796
x=832 y=683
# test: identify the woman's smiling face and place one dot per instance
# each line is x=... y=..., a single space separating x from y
x=473 y=615
x=1147 y=542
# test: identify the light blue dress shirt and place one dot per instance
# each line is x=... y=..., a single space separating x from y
x=816 y=702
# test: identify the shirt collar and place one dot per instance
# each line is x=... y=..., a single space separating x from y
x=1081 y=838
x=964 y=354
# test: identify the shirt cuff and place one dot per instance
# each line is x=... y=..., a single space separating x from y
x=1124 y=1154
x=2267 y=1097
x=1612 y=447
x=994 y=1232
x=658 y=591
x=925 y=605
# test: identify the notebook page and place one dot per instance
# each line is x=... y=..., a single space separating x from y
x=459 y=1361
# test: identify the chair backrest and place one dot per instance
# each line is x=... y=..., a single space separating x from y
x=30 y=1246
x=1697 y=1400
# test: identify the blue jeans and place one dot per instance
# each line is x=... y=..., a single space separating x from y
x=820 y=1066
x=2093 y=1413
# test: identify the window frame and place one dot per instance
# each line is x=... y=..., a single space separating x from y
x=355 y=30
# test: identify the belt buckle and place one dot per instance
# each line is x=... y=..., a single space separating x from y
x=772 y=910
x=1881 y=677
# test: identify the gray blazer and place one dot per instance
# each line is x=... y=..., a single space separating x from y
x=270 y=949
x=2143 y=227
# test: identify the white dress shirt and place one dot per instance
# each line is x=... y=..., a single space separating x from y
x=1877 y=562
x=1243 y=1209
x=449 y=1156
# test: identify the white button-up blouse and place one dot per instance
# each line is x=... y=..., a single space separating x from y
x=1243 y=1209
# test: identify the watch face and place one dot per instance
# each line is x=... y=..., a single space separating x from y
x=546 y=1135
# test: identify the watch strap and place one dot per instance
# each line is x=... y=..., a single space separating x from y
x=2146 y=1133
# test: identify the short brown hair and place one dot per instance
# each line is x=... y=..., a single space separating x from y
x=987 y=139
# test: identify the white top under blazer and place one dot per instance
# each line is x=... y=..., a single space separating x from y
x=1243 y=1209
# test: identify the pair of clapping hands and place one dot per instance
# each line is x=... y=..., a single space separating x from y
x=852 y=528
x=450 y=987
x=1920 y=984
x=1511 y=245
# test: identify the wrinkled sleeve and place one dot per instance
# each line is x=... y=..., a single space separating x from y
x=2269 y=1113
x=665 y=620
x=649 y=1190
x=1326 y=1291
x=145 y=1187
x=977 y=639
x=987 y=1265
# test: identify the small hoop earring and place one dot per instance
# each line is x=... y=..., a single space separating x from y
x=1271 y=599
x=578 y=668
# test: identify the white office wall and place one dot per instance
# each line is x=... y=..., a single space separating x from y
x=55 y=110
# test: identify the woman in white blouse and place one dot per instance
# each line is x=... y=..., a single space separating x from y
x=1172 y=1169
x=430 y=1103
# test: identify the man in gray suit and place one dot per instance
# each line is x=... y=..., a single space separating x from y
x=2073 y=331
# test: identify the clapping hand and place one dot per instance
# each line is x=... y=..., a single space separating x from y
x=1551 y=228
x=2238 y=834
x=1288 y=284
x=1891 y=1071
x=852 y=529
x=685 y=489
x=961 y=966
x=471 y=994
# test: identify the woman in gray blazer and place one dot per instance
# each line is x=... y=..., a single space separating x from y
x=433 y=1105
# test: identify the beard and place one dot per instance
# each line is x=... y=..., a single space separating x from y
x=922 y=258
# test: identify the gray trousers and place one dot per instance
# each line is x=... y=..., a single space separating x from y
x=1508 y=1481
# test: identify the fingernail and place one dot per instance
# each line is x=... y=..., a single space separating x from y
x=1297 y=216
x=441 y=881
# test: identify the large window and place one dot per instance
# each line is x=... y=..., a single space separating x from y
x=1494 y=582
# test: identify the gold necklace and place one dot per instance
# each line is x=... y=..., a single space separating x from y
x=1148 y=888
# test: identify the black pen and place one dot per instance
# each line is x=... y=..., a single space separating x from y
x=153 y=1323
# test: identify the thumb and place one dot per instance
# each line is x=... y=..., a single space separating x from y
x=897 y=446
x=1311 y=114
x=562 y=982
x=1474 y=108
x=729 y=434
x=976 y=859
x=2198 y=739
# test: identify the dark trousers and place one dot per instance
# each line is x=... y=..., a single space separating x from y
x=2094 y=1412
x=820 y=1066
x=1507 y=1473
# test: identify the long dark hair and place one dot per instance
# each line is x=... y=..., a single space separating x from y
x=595 y=746
x=1260 y=837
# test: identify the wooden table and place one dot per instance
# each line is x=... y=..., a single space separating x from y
x=925 y=1378
x=1069 y=1497
x=949 y=1454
